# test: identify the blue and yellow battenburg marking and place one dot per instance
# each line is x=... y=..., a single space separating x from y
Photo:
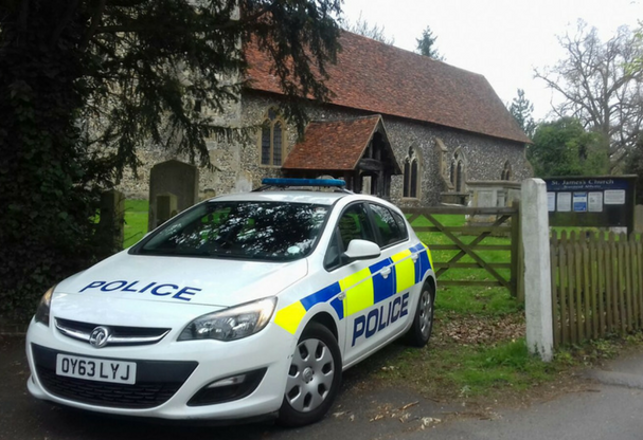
x=362 y=289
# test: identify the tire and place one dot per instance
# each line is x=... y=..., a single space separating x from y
x=420 y=331
x=314 y=378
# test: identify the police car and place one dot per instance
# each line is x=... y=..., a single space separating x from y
x=243 y=306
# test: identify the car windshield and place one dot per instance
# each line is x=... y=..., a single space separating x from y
x=242 y=229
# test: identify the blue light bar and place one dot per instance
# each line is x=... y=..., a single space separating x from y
x=303 y=182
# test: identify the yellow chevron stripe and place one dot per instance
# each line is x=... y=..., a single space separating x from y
x=290 y=317
x=428 y=252
x=359 y=291
x=404 y=270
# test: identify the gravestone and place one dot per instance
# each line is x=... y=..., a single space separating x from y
x=165 y=207
x=173 y=188
x=112 y=218
x=491 y=194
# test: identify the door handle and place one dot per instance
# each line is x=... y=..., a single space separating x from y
x=385 y=272
x=415 y=257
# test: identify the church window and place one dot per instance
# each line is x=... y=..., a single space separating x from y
x=507 y=174
x=458 y=171
x=272 y=140
x=411 y=174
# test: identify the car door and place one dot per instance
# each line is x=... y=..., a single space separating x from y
x=363 y=283
x=396 y=247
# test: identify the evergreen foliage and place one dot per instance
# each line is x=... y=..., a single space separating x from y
x=426 y=45
x=84 y=83
x=565 y=148
x=522 y=109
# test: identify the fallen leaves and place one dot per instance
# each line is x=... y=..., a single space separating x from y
x=478 y=330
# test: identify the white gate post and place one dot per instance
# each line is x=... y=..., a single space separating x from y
x=534 y=222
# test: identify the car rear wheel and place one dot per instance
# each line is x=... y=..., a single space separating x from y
x=420 y=331
x=314 y=377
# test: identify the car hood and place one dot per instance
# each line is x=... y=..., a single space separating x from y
x=184 y=280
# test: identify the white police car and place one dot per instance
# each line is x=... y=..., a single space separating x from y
x=242 y=306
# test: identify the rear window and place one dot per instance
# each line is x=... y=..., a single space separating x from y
x=248 y=230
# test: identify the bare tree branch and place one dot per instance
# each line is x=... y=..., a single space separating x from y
x=598 y=87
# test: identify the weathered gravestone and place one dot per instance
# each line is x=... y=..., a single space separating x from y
x=112 y=218
x=491 y=194
x=173 y=188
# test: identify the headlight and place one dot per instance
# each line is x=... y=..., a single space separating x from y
x=42 y=313
x=231 y=324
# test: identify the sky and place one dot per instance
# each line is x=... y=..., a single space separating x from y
x=504 y=40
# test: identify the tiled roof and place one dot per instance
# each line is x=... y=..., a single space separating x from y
x=336 y=145
x=379 y=78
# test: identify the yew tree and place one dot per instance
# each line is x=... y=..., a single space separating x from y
x=84 y=83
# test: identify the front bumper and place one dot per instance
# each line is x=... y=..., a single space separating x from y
x=169 y=374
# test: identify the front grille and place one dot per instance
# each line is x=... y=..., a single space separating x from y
x=156 y=382
x=107 y=394
x=120 y=335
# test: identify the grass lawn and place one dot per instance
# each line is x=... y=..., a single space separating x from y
x=136 y=212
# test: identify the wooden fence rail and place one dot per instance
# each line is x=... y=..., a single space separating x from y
x=597 y=285
x=506 y=223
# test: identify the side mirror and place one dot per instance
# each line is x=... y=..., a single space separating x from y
x=361 y=250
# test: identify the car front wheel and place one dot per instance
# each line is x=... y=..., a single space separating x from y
x=314 y=377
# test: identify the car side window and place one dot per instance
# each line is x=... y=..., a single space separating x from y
x=390 y=225
x=353 y=224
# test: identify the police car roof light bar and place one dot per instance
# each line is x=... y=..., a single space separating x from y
x=289 y=182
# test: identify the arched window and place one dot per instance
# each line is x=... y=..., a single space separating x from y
x=272 y=140
x=507 y=174
x=458 y=171
x=411 y=175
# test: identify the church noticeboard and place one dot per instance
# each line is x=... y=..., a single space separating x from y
x=592 y=201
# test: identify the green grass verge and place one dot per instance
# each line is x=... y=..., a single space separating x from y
x=136 y=212
x=460 y=371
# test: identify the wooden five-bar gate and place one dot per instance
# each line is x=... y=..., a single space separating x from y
x=504 y=221
x=597 y=285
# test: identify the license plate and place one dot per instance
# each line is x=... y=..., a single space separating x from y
x=102 y=370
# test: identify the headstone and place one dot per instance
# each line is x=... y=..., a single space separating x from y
x=165 y=208
x=486 y=198
x=491 y=194
x=243 y=182
x=171 y=178
x=112 y=217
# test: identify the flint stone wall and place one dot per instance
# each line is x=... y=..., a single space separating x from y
x=238 y=167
